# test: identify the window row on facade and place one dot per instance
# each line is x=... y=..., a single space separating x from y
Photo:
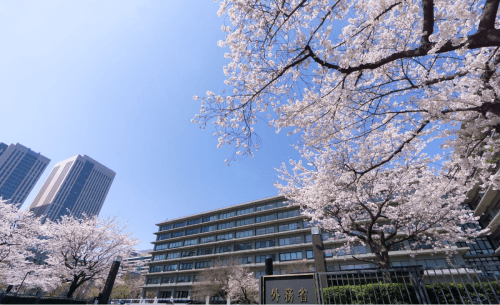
x=283 y=256
x=228 y=214
x=265 y=243
x=239 y=223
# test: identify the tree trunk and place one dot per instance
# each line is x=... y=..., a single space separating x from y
x=72 y=288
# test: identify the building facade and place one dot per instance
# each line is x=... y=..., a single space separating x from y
x=249 y=233
x=76 y=185
x=20 y=169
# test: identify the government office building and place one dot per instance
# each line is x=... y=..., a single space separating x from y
x=250 y=232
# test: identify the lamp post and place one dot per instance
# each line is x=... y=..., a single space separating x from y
x=22 y=282
x=108 y=287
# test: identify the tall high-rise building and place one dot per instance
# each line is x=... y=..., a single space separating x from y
x=20 y=169
x=76 y=185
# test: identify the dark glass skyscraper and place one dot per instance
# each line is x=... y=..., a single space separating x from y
x=76 y=185
x=20 y=169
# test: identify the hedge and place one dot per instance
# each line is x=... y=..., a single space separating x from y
x=439 y=293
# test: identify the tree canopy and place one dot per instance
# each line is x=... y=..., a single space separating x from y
x=369 y=86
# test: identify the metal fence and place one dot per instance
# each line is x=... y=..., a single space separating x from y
x=15 y=298
x=467 y=284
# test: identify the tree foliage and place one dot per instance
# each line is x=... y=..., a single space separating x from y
x=227 y=278
x=368 y=85
x=84 y=248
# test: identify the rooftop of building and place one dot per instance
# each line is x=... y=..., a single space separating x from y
x=224 y=209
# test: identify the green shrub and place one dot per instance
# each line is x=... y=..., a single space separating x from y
x=379 y=293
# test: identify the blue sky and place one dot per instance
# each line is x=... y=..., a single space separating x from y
x=114 y=80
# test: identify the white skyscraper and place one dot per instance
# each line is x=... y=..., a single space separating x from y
x=20 y=169
x=76 y=185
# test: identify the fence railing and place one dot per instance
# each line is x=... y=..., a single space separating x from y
x=468 y=284
x=15 y=298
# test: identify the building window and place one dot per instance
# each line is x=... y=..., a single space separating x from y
x=244 y=211
x=176 y=244
x=178 y=234
x=165 y=227
x=280 y=204
x=223 y=249
x=205 y=251
x=288 y=227
x=244 y=222
x=243 y=234
x=161 y=247
x=181 y=294
x=207 y=239
x=290 y=241
x=482 y=245
x=241 y=247
x=173 y=255
x=309 y=254
x=155 y=280
x=193 y=221
x=171 y=267
x=290 y=256
x=225 y=236
x=188 y=253
x=308 y=238
x=288 y=214
x=189 y=242
x=193 y=231
x=266 y=230
x=210 y=218
x=260 y=273
x=226 y=225
x=265 y=207
x=265 y=244
x=325 y=236
x=203 y=264
x=158 y=257
x=164 y=236
x=245 y=260
x=183 y=278
x=185 y=266
x=226 y=215
x=179 y=224
x=208 y=229
x=356 y=267
x=262 y=258
x=168 y=280
x=165 y=294
x=155 y=269
x=264 y=218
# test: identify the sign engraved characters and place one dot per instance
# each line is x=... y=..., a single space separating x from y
x=303 y=295
x=275 y=295
x=288 y=295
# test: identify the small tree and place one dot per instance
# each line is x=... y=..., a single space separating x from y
x=226 y=278
x=243 y=286
x=83 y=249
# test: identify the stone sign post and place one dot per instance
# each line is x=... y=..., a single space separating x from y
x=288 y=289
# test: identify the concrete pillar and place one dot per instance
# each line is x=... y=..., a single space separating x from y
x=207 y=300
x=228 y=301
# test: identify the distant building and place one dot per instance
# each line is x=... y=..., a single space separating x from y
x=136 y=262
x=20 y=169
x=78 y=185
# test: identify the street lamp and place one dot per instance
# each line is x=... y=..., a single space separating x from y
x=19 y=288
x=108 y=287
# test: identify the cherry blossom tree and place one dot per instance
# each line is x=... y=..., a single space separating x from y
x=84 y=248
x=243 y=286
x=21 y=247
x=369 y=86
